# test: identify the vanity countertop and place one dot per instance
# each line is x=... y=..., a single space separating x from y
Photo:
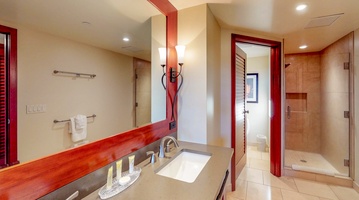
x=152 y=186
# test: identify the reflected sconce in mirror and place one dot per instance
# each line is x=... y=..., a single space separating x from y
x=174 y=74
x=163 y=53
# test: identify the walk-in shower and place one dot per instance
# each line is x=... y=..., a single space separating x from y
x=317 y=102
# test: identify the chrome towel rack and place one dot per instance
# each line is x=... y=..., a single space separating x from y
x=74 y=73
x=67 y=120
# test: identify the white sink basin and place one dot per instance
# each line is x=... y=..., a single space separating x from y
x=185 y=166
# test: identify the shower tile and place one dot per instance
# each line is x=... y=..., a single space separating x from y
x=311 y=82
x=313 y=102
x=291 y=82
x=315 y=189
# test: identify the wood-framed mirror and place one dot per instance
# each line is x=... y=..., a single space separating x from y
x=36 y=178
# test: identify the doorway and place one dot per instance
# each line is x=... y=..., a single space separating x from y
x=275 y=102
x=142 y=70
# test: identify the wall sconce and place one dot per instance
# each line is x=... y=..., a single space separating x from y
x=174 y=74
x=180 y=56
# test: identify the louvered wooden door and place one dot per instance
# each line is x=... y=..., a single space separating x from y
x=238 y=114
x=2 y=107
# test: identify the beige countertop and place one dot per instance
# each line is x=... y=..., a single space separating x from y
x=152 y=186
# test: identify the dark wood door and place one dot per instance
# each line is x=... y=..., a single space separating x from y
x=238 y=114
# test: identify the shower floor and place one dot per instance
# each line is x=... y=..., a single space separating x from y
x=309 y=162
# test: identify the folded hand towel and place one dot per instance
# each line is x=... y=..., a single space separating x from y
x=80 y=121
x=78 y=133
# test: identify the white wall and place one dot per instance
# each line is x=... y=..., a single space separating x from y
x=109 y=95
x=258 y=112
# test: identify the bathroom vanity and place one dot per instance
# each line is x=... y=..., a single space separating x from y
x=208 y=184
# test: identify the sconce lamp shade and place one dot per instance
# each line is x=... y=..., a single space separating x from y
x=180 y=53
x=162 y=56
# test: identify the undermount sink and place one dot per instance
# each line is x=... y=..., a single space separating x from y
x=185 y=166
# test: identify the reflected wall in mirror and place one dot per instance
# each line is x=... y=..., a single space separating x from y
x=88 y=41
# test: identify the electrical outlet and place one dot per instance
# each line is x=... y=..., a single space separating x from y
x=172 y=125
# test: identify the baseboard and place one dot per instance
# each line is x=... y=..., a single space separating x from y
x=335 y=180
x=356 y=186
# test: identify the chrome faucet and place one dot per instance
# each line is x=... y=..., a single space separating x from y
x=161 y=154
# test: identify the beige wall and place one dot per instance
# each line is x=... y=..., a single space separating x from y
x=192 y=104
x=356 y=108
x=302 y=79
x=213 y=80
x=158 y=93
x=335 y=100
x=109 y=95
x=258 y=117
x=199 y=98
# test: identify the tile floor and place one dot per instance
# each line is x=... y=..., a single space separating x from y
x=256 y=183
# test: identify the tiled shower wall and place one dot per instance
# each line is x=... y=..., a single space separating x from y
x=335 y=100
x=302 y=79
x=317 y=91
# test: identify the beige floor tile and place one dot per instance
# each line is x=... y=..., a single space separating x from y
x=344 y=193
x=292 y=195
x=279 y=182
x=259 y=164
x=252 y=175
x=241 y=189
x=265 y=156
x=315 y=189
x=262 y=192
x=230 y=196
x=254 y=154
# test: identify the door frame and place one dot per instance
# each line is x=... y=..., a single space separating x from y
x=11 y=107
x=275 y=97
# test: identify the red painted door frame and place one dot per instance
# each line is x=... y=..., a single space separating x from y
x=275 y=96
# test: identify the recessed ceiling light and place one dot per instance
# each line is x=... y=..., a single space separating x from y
x=301 y=7
x=303 y=47
x=126 y=39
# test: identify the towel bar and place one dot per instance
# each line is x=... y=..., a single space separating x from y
x=75 y=73
x=67 y=120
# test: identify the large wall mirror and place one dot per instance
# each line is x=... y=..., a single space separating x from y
x=85 y=37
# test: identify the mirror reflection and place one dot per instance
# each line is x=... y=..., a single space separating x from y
x=115 y=40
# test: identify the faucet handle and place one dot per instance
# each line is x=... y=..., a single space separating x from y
x=153 y=156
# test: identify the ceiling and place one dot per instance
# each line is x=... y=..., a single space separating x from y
x=104 y=23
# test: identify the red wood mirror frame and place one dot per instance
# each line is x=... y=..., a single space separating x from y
x=37 y=178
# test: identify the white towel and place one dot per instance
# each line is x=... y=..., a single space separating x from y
x=80 y=122
x=78 y=128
